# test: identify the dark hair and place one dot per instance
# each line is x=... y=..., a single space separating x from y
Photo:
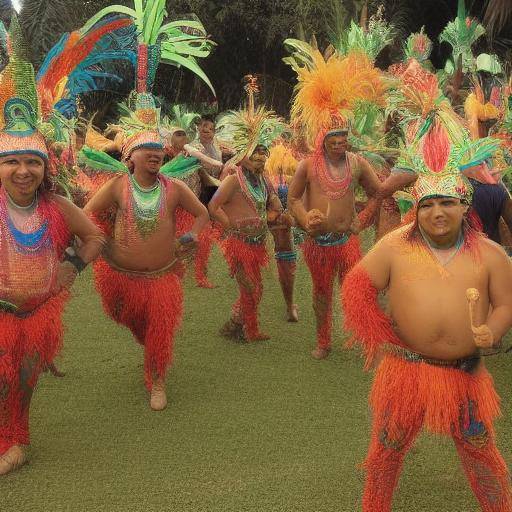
x=207 y=118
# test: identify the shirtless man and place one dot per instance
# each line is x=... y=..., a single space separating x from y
x=36 y=227
x=242 y=205
x=321 y=198
x=431 y=373
x=137 y=278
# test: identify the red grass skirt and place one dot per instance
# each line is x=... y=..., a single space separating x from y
x=27 y=346
x=151 y=307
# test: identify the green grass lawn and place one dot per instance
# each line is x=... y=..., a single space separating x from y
x=258 y=427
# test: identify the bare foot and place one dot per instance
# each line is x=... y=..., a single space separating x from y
x=320 y=353
x=292 y=314
x=12 y=459
x=158 y=400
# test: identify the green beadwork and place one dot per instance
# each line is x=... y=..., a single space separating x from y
x=147 y=204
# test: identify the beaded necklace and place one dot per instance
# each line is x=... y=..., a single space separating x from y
x=439 y=253
x=147 y=206
x=333 y=187
x=33 y=235
x=255 y=190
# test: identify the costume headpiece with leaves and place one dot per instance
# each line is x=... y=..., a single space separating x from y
x=461 y=34
x=178 y=43
x=418 y=46
x=329 y=90
x=88 y=59
x=19 y=105
x=178 y=119
x=371 y=40
x=246 y=129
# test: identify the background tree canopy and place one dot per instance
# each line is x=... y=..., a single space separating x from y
x=250 y=35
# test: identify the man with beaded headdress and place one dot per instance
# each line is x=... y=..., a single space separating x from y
x=322 y=194
x=137 y=277
x=244 y=203
x=434 y=270
x=38 y=267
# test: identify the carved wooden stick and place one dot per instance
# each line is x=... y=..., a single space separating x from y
x=473 y=296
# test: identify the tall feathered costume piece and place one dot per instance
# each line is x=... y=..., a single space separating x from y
x=79 y=63
x=371 y=40
x=328 y=91
x=179 y=43
x=246 y=129
x=461 y=34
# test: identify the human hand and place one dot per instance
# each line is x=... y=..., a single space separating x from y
x=66 y=275
x=186 y=246
x=315 y=220
x=483 y=336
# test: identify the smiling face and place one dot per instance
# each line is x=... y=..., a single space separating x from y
x=21 y=175
x=441 y=218
x=147 y=160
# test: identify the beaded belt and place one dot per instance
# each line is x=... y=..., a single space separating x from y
x=331 y=239
x=466 y=364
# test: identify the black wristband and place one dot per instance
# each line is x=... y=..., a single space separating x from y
x=71 y=256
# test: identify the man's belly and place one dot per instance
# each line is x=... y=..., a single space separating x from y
x=141 y=257
x=434 y=322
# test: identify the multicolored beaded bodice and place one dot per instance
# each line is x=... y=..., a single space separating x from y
x=28 y=252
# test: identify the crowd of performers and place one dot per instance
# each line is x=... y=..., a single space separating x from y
x=364 y=147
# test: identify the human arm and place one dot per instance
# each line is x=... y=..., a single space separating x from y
x=506 y=213
x=205 y=160
x=363 y=317
x=313 y=220
x=397 y=180
x=91 y=242
x=189 y=202
x=105 y=197
x=499 y=320
x=221 y=197
x=372 y=186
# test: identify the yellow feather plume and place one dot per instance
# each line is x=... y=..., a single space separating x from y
x=330 y=89
x=281 y=162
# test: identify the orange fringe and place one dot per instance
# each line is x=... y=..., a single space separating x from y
x=150 y=307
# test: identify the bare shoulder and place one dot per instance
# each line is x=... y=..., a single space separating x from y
x=64 y=204
x=304 y=166
x=493 y=253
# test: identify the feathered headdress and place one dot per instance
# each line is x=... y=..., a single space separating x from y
x=418 y=46
x=19 y=105
x=370 y=41
x=179 y=119
x=251 y=127
x=461 y=34
x=328 y=91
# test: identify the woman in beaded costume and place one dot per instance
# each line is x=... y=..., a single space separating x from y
x=36 y=227
x=137 y=277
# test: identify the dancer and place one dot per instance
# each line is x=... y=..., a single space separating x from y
x=38 y=267
x=137 y=277
x=431 y=373
x=322 y=193
x=243 y=204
